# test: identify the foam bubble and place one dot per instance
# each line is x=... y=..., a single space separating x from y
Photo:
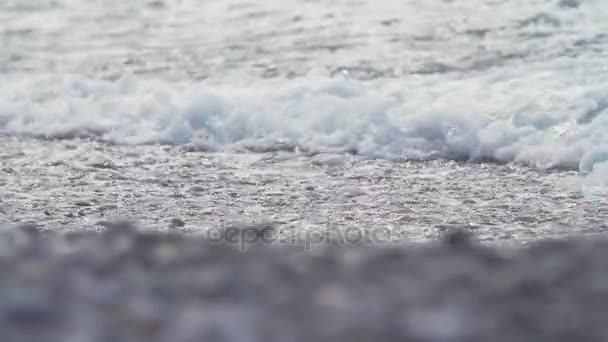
x=536 y=118
x=595 y=185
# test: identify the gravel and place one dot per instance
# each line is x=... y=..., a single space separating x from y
x=126 y=284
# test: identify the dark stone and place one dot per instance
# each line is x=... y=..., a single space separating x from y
x=569 y=3
x=176 y=223
x=457 y=237
x=29 y=229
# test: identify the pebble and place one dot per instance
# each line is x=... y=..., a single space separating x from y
x=176 y=223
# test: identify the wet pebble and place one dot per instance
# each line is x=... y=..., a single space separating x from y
x=176 y=223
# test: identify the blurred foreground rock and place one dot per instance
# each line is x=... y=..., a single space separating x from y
x=126 y=285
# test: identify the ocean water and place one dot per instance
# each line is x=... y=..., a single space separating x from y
x=410 y=116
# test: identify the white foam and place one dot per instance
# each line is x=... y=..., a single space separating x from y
x=595 y=185
x=538 y=119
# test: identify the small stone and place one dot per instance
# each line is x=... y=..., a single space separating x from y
x=457 y=237
x=197 y=188
x=108 y=207
x=106 y=164
x=31 y=308
x=569 y=3
x=120 y=228
x=29 y=229
x=176 y=223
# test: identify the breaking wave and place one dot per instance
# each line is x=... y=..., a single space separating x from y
x=536 y=119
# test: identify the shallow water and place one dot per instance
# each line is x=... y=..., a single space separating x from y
x=68 y=185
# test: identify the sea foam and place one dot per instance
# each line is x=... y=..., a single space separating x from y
x=532 y=118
